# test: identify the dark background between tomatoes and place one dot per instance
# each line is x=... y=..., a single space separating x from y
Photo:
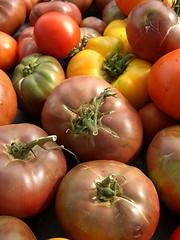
x=45 y=224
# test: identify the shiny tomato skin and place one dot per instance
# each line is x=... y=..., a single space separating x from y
x=133 y=214
x=163 y=164
x=56 y=33
x=119 y=131
x=8 y=100
x=28 y=184
x=14 y=228
x=176 y=233
x=8 y=51
x=12 y=15
x=164 y=85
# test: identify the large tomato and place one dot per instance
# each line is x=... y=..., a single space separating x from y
x=29 y=174
x=56 y=33
x=12 y=228
x=126 y=6
x=8 y=51
x=164 y=84
x=93 y=120
x=109 y=200
x=163 y=163
x=8 y=100
x=175 y=234
x=12 y=15
x=153 y=29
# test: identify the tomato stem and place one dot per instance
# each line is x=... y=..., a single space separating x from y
x=28 y=69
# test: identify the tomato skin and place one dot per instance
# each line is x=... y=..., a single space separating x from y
x=14 y=228
x=163 y=84
x=123 y=122
x=153 y=41
x=163 y=164
x=48 y=32
x=12 y=15
x=82 y=215
x=34 y=78
x=8 y=99
x=8 y=51
x=81 y=4
x=28 y=184
x=176 y=233
x=26 y=43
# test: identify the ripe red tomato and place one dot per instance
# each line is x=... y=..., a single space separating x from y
x=109 y=200
x=164 y=84
x=29 y=183
x=163 y=163
x=56 y=33
x=14 y=228
x=8 y=51
x=93 y=120
x=8 y=100
x=176 y=234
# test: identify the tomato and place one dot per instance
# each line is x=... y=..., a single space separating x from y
x=153 y=29
x=95 y=23
x=81 y=4
x=100 y=4
x=29 y=174
x=14 y=228
x=176 y=233
x=8 y=51
x=12 y=15
x=126 y=6
x=56 y=33
x=8 y=99
x=34 y=78
x=163 y=84
x=26 y=43
x=153 y=120
x=29 y=4
x=163 y=165
x=109 y=200
x=55 y=6
x=112 y=130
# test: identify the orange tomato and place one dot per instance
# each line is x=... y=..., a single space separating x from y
x=8 y=100
x=8 y=51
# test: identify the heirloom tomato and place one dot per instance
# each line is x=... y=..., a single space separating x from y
x=83 y=5
x=163 y=163
x=12 y=15
x=100 y=4
x=8 y=99
x=176 y=233
x=102 y=57
x=153 y=29
x=56 y=33
x=8 y=51
x=31 y=167
x=96 y=122
x=29 y=4
x=12 y=228
x=164 y=84
x=33 y=80
x=26 y=43
x=95 y=23
x=126 y=6
x=109 y=200
x=55 y=6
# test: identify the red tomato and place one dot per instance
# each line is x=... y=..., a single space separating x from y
x=153 y=120
x=12 y=15
x=8 y=100
x=8 y=51
x=164 y=84
x=109 y=200
x=163 y=164
x=90 y=125
x=176 y=234
x=56 y=33
x=153 y=29
x=29 y=183
x=12 y=228
x=26 y=43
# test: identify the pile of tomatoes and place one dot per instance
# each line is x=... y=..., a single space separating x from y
x=89 y=119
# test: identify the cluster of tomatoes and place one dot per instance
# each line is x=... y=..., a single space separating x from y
x=89 y=117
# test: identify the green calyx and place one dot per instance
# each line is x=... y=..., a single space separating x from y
x=29 y=69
